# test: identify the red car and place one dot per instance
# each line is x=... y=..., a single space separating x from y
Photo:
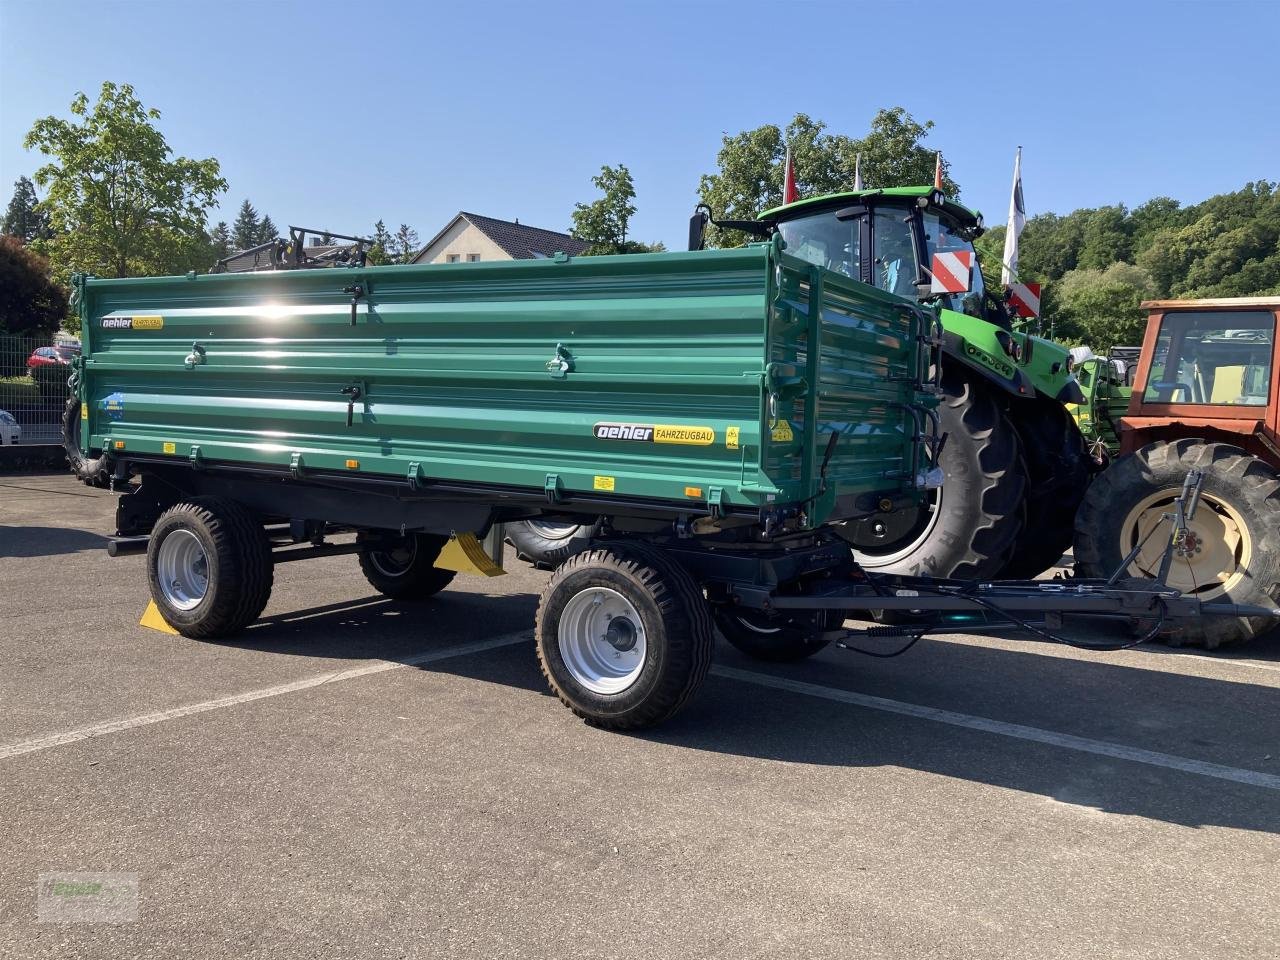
x=49 y=356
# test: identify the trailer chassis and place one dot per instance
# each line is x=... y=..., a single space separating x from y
x=624 y=630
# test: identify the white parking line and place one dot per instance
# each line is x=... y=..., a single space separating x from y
x=1018 y=731
x=115 y=726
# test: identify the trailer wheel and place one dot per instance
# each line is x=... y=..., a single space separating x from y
x=209 y=566
x=1058 y=466
x=1232 y=551
x=403 y=568
x=624 y=636
x=967 y=528
x=547 y=543
x=776 y=640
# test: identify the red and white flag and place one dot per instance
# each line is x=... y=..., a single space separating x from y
x=789 y=192
x=952 y=272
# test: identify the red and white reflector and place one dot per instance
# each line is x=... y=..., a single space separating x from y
x=1025 y=299
x=952 y=272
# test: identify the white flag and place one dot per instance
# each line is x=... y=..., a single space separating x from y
x=1017 y=220
x=857 y=173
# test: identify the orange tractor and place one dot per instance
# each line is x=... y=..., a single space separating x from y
x=1204 y=406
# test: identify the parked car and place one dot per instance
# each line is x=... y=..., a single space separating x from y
x=10 y=432
x=59 y=353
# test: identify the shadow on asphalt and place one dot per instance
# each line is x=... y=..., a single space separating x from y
x=48 y=541
x=1227 y=723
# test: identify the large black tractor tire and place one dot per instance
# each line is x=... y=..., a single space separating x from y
x=775 y=640
x=547 y=543
x=209 y=567
x=969 y=526
x=403 y=568
x=624 y=636
x=1232 y=552
x=1058 y=470
x=94 y=471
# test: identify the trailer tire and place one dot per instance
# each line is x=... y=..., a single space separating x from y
x=624 y=636
x=209 y=567
x=751 y=633
x=976 y=516
x=405 y=568
x=1058 y=469
x=1236 y=528
x=94 y=471
x=547 y=543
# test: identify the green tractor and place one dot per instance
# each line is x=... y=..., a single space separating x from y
x=1107 y=385
x=1015 y=463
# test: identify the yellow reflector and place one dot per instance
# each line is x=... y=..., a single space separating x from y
x=119 y=444
x=353 y=464
x=170 y=448
x=693 y=491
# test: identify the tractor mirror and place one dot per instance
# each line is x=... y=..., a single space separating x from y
x=698 y=227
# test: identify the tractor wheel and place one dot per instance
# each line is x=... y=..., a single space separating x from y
x=1058 y=469
x=1232 y=549
x=778 y=640
x=403 y=568
x=624 y=636
x=547 y=543
x=209 y=565
x=967 y=528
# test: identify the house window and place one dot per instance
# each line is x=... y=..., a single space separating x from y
x=473 y=258
x=451 y=258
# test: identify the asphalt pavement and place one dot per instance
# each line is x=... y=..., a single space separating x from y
x=355 y=777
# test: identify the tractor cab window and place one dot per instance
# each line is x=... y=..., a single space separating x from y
x=895 y=267
x=824 y=240
x=1220 y=357
x=940 y=236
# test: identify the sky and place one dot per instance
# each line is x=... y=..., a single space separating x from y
x=333 y=115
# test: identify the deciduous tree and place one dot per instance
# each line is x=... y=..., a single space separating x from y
x=119 y=202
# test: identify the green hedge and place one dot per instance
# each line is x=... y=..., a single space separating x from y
x=18 y=392
x=51 y=380
x=13 y=355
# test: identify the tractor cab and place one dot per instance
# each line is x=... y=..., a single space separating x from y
x=889 y=238
x=1207 y=361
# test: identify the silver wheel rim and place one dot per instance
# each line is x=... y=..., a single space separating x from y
x=602 y=640
x=394 y=562
x=182 y=569
x=554 y=529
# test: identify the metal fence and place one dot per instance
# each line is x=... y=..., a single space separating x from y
x=33 y=387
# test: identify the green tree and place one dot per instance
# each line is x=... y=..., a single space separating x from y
x=404 y=244
x=247 y=227
x=119 y=203
x=220 y=241
x=750 y=167
x=24 y=218
x=894 y=154
x=1100 y=307
x=380 y=253
x=267 y=230
x=31 y=303
x=603 y=222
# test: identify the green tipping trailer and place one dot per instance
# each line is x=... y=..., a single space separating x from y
x=722 y=411
x=677 y=383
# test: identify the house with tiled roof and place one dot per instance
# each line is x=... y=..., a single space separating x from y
x=469 y=238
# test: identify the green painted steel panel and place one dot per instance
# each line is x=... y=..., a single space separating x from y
x=452 y=363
